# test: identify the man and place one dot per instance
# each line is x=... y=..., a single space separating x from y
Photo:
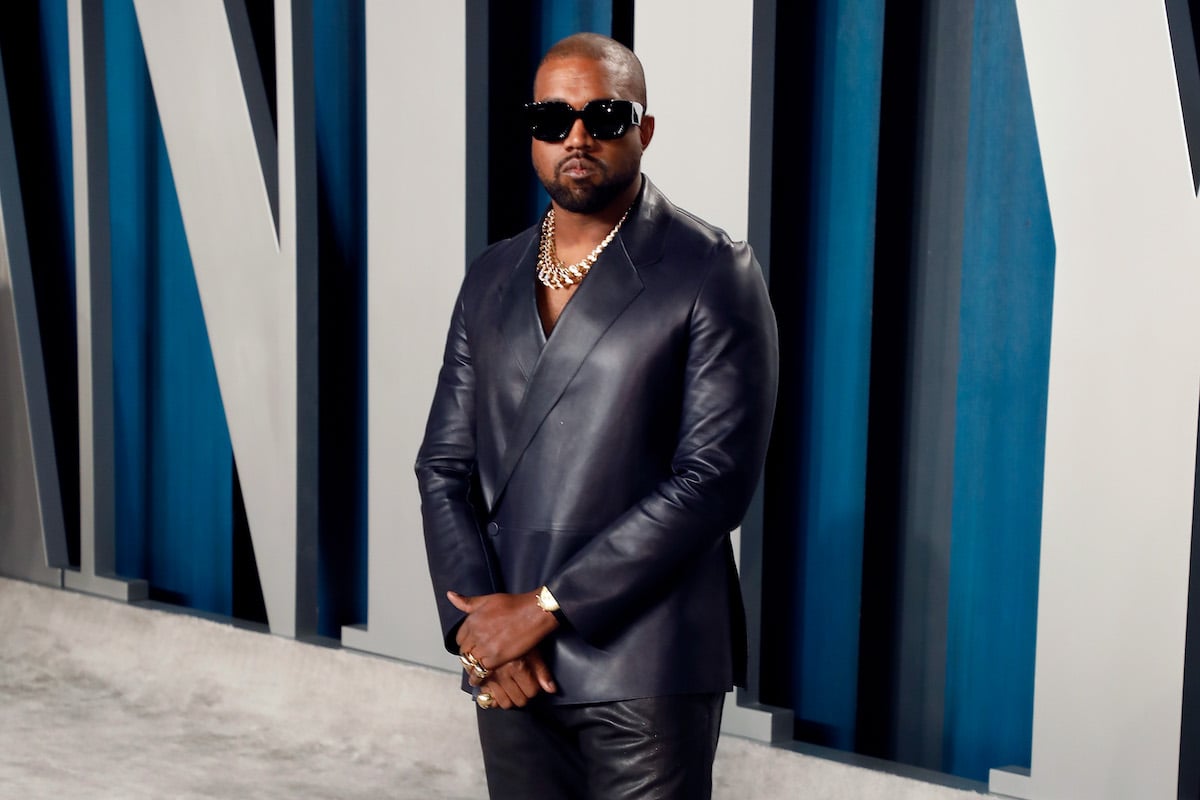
x=599 y=425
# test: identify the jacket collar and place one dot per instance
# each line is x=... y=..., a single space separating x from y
x=643 y=235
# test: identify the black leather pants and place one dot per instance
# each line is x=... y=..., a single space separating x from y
x=653 y=748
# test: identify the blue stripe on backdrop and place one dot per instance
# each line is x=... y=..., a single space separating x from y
x=848 y=62
x=56 y=49
x=1004 y=339
x=340 y=82
x=174 y=460
x=559 y=19
x=129 y=109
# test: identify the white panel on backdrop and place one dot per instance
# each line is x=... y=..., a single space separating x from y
x=697 y=57
x=1121 y=421
x=416 y=224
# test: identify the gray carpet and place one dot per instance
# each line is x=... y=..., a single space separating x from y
x=103 y=700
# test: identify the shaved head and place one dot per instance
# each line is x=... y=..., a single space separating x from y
x=622 y=65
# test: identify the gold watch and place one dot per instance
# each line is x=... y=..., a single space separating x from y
x=546 y=601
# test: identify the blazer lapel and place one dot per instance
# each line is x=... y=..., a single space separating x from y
x=519 y=321
x=609 y=288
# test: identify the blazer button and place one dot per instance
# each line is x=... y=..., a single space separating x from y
x=493 y=529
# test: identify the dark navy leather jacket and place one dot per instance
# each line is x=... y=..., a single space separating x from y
x=611 y=460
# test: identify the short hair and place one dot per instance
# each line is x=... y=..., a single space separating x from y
x=623 y=65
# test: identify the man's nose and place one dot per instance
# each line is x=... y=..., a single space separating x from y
x=578 y=137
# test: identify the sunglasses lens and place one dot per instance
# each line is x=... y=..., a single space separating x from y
x=549 y=122
x=606 y=119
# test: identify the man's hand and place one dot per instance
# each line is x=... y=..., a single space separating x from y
x=500 y=627
x=516 y=683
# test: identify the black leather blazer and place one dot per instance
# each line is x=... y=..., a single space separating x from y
x=611 y=460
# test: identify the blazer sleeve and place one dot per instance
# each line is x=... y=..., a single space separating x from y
x=728 y=402
x=445 y=467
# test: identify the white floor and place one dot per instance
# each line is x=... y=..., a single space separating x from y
x=103 y=700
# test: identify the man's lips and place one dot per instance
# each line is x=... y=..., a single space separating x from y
x=577 y=167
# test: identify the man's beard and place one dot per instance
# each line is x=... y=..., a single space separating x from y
x=589 y=198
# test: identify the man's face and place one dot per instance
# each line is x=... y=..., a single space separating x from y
x=583 y=174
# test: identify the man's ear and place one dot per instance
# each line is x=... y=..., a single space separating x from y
x=646 y=131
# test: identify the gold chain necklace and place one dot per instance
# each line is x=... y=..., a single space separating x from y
x=552 y=272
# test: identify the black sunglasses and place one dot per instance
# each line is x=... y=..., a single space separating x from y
x=604 y=119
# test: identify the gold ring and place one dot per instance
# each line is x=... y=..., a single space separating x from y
x=485 y=700
x=473 y=664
